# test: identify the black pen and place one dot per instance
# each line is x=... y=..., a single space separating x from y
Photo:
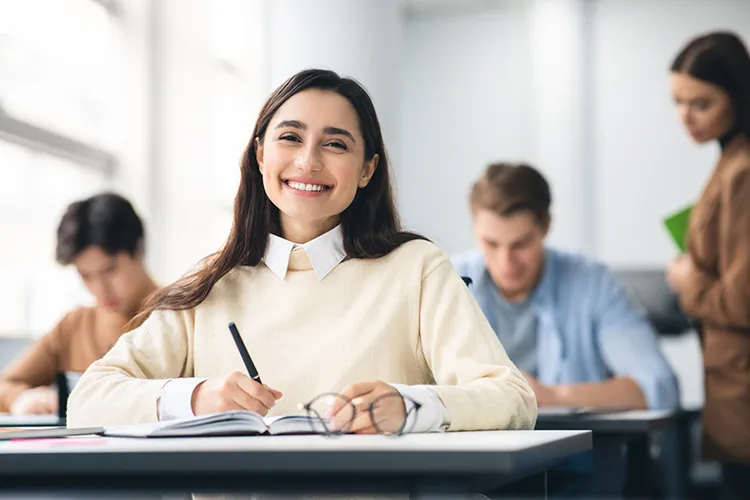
x=244 y=354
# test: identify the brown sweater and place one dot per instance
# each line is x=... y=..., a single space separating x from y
x=81 y=337
x=718 y=295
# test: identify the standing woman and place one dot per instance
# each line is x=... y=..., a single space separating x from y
x=710 y=82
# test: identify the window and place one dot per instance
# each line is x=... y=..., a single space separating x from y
x=237 y=40
x=93 y=95
x=56 y=127
x=60 y=75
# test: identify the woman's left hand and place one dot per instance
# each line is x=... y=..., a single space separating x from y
x=390 y=411
x=679 y=271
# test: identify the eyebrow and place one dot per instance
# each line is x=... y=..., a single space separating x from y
x=327 y=130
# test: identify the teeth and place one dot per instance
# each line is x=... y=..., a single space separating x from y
x=305 y=187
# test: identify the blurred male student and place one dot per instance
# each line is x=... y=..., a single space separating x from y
x=103 y=237
x=564 y=319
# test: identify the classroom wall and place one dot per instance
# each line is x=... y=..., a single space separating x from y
x=510 y=80
x=464 y=103
x=578 y=88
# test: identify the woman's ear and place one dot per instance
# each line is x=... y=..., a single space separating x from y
x=369 y=170
x=259 y=153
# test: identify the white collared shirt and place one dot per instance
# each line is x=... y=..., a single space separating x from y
x=325 y=253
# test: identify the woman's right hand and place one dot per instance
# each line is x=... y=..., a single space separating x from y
x=235 y=391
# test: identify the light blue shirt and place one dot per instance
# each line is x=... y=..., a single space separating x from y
x=588 y=330
x=515 y=325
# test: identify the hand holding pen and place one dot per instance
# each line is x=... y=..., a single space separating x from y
x=236 y=391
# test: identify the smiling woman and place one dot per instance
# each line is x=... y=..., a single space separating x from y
x=313 y=169
x=331 y=296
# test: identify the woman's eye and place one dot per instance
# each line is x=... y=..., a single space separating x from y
x=290 y=138
x=338 y=145
x=702 y=105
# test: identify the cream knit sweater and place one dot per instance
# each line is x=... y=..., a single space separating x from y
x=405 y=318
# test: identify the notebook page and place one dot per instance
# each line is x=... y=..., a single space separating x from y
x=228 y=423
x=294 y=424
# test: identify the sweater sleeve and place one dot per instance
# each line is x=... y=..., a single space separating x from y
x=36 y=366
x=724 y=301
x=124 y=386
x=479 y=385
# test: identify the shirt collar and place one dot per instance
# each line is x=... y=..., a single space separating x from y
x=325 y=253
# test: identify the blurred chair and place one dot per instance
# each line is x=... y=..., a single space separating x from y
x=648 y=288
x=10 y=347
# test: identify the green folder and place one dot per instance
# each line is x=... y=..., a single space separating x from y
x=677 y=225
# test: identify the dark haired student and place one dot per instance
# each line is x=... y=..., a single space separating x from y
x=327 y=292
x=710 y=80
x=103 y=238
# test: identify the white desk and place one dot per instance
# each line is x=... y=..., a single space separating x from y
x=457 y=462
x=8 y=420
x=613 y=433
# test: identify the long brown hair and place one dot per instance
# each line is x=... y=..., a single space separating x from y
x=720 y=58
x=370 y=225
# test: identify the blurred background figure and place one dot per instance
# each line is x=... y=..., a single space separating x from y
x=710 y=82
x=103 y=238
x=564 y=319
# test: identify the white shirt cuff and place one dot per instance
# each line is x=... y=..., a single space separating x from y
x=432 y=416
x=175 y=399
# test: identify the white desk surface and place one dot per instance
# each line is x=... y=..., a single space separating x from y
x=451 y=462
x=498 y=452
x=480 y=442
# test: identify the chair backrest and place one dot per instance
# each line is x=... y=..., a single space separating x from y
x=10 y=347
x=649 y=289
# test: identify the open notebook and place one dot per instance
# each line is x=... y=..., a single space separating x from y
x=232 y=423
